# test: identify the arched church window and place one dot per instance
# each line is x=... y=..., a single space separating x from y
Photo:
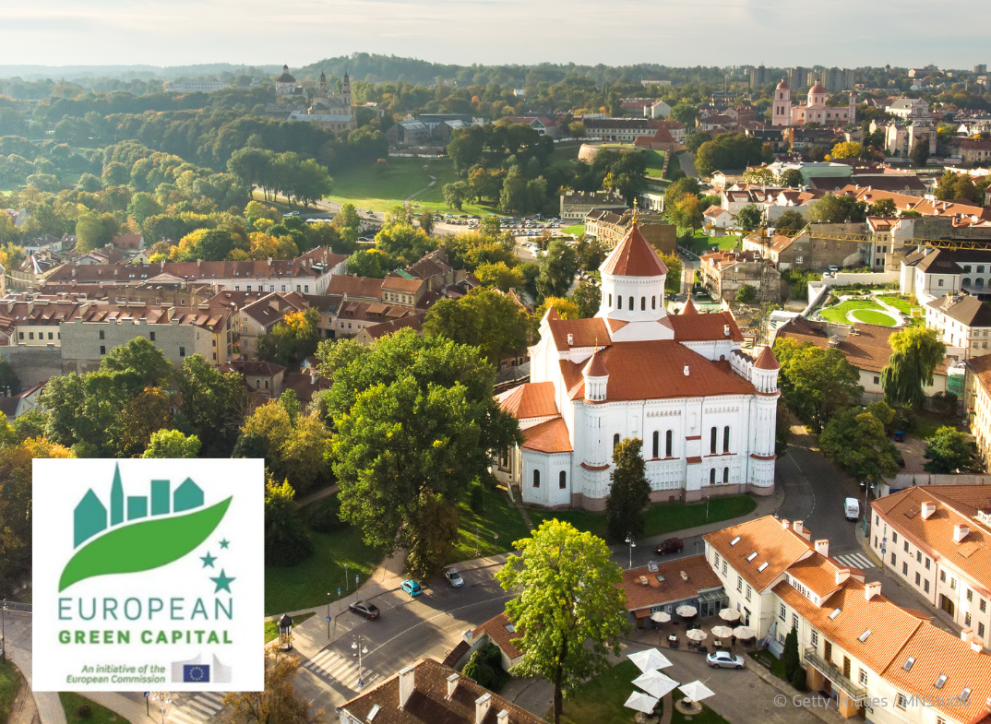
x=643 y=304
x=668 y=443
x=536 y=478
x=631 y=304
x=562 y=480
x=653 y=302
x=712 y=477
x=619 y=301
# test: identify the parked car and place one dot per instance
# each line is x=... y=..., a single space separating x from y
x=670 y=545
x=724 y=660
x=290 y=215
x=452 y=576
x=851 y=509
x=367 y=610
x=899 y=436
x=412 y=588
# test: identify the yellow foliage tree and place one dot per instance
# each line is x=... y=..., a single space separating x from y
x=847 y=149
x=566 y=308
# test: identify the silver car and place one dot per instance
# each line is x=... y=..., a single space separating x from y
x=453 y=577
x=724 y=660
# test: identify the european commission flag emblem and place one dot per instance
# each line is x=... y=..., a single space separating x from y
x=195 y=673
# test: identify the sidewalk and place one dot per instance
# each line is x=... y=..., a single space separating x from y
x=18 y=638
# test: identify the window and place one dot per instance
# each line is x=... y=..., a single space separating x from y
x=152 y=336
x=653 y=302
x=20 y=335
x=918 y=556
x=724 y=568
x=712 y=477
x=970 y=595
x=619 y=301
x=657 y=443
x=984 y=605
x=939 y=285
x=877 y=380
x=631 y=304
x=103 y=350
x=562 y=480
x=30 y=335
x=182 y=351
x=894 y=537
x=610 y=300
x=739 y=583
x=49 y=335
x=536 y=478
x=894 y=559
x=980 y=631
x=942 y=576
x=668 y=440
x=726 y=439
x=713 y=439
x=749 y=591
x=725 y=475
x=900 y=701
x=815 y=638
x=716 y=565
x=904 y=569
x=967 y=619
x=918 y=579
x=927 y=564
x=953 y=584
x=258 y=384
x=102 y=334
x=782 y=612
x=906 y=546
x=925 y=585
x=615 y=442
x=643 y=304
x=794 y=621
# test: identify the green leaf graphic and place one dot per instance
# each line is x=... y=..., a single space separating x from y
x=143 y=546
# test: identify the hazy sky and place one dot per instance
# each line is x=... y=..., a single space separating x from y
x=672 y=32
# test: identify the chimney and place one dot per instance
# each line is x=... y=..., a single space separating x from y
x=966 y=633
x=927 y=510
x=822 y=547
x=784 y=524
x=976 y=645
x=842 y=574
x=798 y=527
x=960 y=532
x=406 y=685
x=482 y=705
x=726 y=330
x=452 y=685
x=502 y=717
x=571 y=340
x=872 y=589
x=687 y=371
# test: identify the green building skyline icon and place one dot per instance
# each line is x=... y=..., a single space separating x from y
x=91 y=516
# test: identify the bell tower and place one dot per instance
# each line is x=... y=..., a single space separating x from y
x=781 y=112
x=346 y=91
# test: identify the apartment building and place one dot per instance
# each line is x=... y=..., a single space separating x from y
x=964 y=323
x=977 y=401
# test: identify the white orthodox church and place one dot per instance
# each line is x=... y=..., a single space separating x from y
x=815 y=109
x=704 y=409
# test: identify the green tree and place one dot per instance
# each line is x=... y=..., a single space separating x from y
x=279 y=703
x=569 y=608
x=629 y=491
x=465 y=147
x=590 y=253
x=916 y=352
x=144 y=415
x=557 y=270
x=587 y=298
x=414 y=419
x=789 y=223
x=750 y=217
x=746 y=294
x=883 y=207
x=286 y=541
x=116 y=174
x=455 y=194
x=684 y=113
x=143 y=205
x=792 y=178
x=482 y=318
x=674 y=193
x=856 y=440
x=920 y=153
x=427 y=221
x=172 y=444
x=816 y=383
x=672 y=282
x=371 y=263
x=404 y=242
x=293 y=339
x=500 y=276
x=347 y=218
x=950 y=451
x=213 y=405
x=688 y=213
x=92 y=233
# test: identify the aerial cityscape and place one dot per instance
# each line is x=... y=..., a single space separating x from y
x=595 y=382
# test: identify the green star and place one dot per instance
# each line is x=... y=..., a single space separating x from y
x=224 y=543
x=208 y=560
x=223 y=582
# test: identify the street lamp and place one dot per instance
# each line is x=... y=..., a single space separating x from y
x=361 y=649
x=3 y=630
x=164 y=701
x=629 y=541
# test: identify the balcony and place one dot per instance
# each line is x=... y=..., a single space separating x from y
x=836 y=676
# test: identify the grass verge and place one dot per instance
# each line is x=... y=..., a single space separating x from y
x=72 y=703
x=659 y=519
x=868 y=316
x=499 y=517
x=10 y=684
x=272 y=627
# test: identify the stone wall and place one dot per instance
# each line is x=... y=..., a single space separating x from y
x=33 y=364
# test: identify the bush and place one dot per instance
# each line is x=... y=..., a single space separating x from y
x=479 y=668
x=476 y=500
x=905 y=419
x=797 y=679
x=84 y=711
x=324 y=516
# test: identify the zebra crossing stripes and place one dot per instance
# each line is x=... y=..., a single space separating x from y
x=340 y=667
x=199 y=709
x=857 y=560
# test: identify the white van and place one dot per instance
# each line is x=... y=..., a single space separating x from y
x=851 y=509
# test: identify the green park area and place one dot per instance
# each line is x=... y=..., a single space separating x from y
x=80 y=710
x=497 y=523
x=906 y=305
x=10 y=684
x=701 y=243
x=655 y=163
x=601 y=701
x=574 y=229
x=658 y=519
x=863 y=310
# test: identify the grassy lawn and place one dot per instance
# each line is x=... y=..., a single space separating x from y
x=770 y=661
x=379 y=187
x=574 y=230
x=702 y=244
x=655 y=163
x=10 y=684
x=871 y=317
x=913 y=312
x=98 y=714
x=838 y=313
x=433 y=198
x=307 y=584
x=498 y=517
x=272 y=627
x=659 y=519
x=706 y=716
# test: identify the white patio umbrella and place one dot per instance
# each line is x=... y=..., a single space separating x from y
x=641 y=702
x=660 y=616
x=655 y=683
x=744 y=632
x=696 y=691
x=697 y=634
x=723 y=632
x=729 y=614
x=686 y=611
x=649 y=660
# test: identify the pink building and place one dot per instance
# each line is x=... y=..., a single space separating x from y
x=815 y=109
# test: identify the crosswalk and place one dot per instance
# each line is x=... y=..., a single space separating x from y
x=199 y=709
x=341 y=668
x=857 y=560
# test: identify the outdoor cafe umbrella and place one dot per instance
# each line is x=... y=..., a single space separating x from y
x=697 y=634
x=660 y=616
x=649 y=660
x=696 y=691
x=641 y=702
x=655 y=683
x=723 y=632
x=744 y=632
x=729 y=614
x=686 y=611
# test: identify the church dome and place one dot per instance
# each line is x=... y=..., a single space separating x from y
x=783 y=85
x=817 y=89
x=285 y=77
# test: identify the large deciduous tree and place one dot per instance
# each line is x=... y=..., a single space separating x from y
x=414 y=421
x=749 y=217
x=587 y=298
x=629 y=491
x=172 y=444
x=484 y=318
x=278 y=703
x=856 y=439
x=816 y=383
x=949 y=450
x=916 y=352
x=570 y=610
x=557 y=270
x=293 y=339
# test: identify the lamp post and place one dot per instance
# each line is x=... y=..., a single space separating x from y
x=328 y=617
x=632 y=544
x=164 y=700
x=3 y=630
x=359 y=647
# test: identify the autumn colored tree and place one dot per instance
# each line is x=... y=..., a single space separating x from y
x=292 y=340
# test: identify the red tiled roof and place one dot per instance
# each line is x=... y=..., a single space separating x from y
x=495 y=629
x=533 y=399
x=644 y=590
x=584 y=332
x=548 y=437
x=767 y=360
x=701 y=327
x=595 y=367
x=634 y=257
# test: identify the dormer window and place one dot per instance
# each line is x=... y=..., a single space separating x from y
x=836 y=612
x=762 y=567
x=864 y=636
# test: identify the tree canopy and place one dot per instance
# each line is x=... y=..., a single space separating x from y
x=949 y=451
x=816 y=383
x=916 y=352
x=629 y=491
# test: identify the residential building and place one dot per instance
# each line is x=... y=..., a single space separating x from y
x=724 y=273
x=933 y=273
x=665 y=586
x=834 y=80
x=964 y=324
x=262 y=378
x=610 y=228
x=258 y=318
x=937 y=539
x=717 y=219
x=760 y=76
x=901 y=137
x=622 y=130
x=977 y=402
x=975 y=151
x=815 y=109
x=501 y=633
x=430 y=693
x=370 y=333
x=577 y=204
x=657 y=109
x=36 y=322
x=705 y=410
x=798 y=77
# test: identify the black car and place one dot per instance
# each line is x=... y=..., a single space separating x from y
x=368 y=610
x=670 y=545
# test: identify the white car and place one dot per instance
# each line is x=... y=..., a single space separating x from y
x=724 y=660
x=452 y=576
x=851 y=509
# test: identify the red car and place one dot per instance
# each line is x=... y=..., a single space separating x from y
x=671 y=545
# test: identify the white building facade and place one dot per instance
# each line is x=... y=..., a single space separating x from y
x=704 y=410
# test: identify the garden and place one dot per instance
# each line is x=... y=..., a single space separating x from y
x=866 y=311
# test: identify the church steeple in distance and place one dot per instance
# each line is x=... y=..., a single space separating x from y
x=346 y=91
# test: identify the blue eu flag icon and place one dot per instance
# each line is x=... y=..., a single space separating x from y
x=195 y=673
